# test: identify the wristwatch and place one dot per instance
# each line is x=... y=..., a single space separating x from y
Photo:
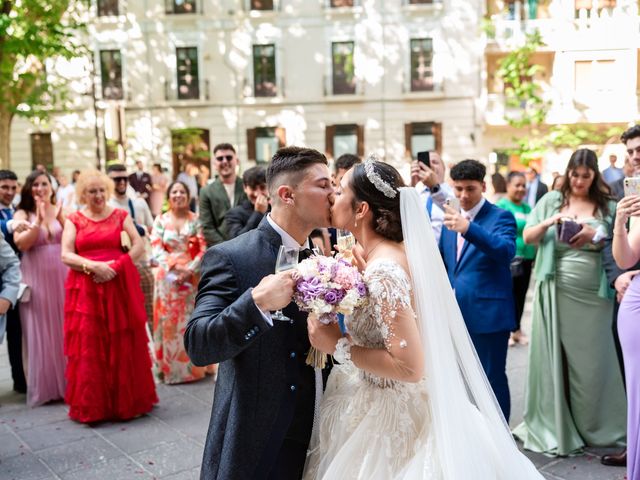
x=435 y=188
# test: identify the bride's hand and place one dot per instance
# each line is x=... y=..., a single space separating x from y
x=323 y=337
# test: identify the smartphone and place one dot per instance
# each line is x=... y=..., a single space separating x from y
x=453 y=203
x=631 y=186
x=423 y=157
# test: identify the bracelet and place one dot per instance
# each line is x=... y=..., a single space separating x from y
x=342 y=354
x=85 y=269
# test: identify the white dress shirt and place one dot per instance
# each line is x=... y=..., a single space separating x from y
x=437 y=210
x=289 y=242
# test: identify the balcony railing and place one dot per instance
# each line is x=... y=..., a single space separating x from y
x=333 y=87
x=197 y=92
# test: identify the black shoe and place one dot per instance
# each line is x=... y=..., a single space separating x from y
x=618 y=460
x=19 y=388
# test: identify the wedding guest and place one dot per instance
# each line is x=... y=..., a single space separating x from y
x=535 y=188
x=178 y=246
x=43 y=315
x=217 y=198
x=251 y=211
x=109 y=366
x=620 y=279
x=612 y=173
x=140 y=181
x=433 y=190
x=10 y=277
x=143 y=221
x=477 y=245
x=499 y=186
x=189 y=176
x=8 y=190
x=158 y=189
x=574 y=396
x=523 y=261
x=558 y=180
x=64 y=194
x=626 y=251
x=342 y=165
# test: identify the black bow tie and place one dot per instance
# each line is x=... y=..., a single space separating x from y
x=304 y=253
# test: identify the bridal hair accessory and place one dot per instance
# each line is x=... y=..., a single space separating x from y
x=376 y=179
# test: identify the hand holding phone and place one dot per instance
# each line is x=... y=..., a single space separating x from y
x=423 y=157
x=453 y=203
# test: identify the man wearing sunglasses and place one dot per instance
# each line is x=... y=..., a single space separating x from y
x=221 y=195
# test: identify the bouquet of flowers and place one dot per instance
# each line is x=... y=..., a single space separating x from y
x=327 y=286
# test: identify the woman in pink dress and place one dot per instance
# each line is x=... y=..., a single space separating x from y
x=42 y=317
x=158 y=189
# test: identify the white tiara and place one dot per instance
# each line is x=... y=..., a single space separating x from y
x=376 y=179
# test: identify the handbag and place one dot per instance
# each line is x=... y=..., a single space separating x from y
x=567 y=229
x=24 y=293
x=125 y=241
x=517 y=267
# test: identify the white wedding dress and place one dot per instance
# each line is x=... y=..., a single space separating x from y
x=445 y=427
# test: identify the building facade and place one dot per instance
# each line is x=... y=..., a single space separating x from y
x=590 y=73
x=173 y=78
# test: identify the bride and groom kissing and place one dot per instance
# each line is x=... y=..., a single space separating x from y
x=407 y=398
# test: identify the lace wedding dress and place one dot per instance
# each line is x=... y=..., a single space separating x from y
x=448 y=426
x=371 y=427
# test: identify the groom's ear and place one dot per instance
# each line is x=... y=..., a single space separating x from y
x=285 y=194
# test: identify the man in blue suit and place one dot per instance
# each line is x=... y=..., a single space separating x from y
x=477 y=245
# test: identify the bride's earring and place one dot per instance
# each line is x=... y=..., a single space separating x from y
x=355 y=223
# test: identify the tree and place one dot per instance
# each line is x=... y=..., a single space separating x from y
x=33 y=33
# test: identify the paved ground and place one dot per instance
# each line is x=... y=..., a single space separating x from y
x=42 y=443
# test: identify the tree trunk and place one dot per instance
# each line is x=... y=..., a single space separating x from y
x=5 y=138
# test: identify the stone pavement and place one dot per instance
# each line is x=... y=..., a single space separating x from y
x=42 y=443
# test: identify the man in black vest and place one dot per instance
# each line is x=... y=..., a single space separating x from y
x=263 y=405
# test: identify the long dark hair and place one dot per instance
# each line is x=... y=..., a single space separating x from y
x=599 y=191
x=386 y=211
x=27 y=203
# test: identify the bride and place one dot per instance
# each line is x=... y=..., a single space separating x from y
x=409 y=399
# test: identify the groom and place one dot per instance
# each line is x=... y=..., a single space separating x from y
x=263 y=404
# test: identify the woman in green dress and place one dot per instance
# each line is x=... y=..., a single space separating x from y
x=523 y=261
x=574 y=396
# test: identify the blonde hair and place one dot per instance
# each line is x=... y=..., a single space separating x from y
x=86 y=177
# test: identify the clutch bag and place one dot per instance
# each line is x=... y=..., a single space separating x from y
x=567 y=229
x=125 y=241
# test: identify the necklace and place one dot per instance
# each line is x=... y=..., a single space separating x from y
x=367 y=254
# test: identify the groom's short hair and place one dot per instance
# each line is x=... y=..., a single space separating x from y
x=289 y=164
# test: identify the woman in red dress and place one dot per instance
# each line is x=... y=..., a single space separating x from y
x=108 y=363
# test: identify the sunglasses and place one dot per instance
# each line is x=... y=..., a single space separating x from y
x=120 y=179
x=222 y=158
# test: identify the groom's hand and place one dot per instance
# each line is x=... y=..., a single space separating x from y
x=274 y=292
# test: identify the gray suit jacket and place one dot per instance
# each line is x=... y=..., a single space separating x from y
x=10 y=281
x=264 y=393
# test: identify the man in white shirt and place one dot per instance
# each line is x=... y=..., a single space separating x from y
x=433 y=190
x=138 y=209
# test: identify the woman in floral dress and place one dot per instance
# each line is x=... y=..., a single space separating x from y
x=178 y=246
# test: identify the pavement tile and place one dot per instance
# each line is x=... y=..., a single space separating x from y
x=27 y=418
x=120 y=468
x=139 y=434
x=52 y=434
x=72 y=456
x=193 y=474
x=10 y=445
x=177 y=406
x=24 y=466
x=194 y=425
x=170 y=458
x=585 y=467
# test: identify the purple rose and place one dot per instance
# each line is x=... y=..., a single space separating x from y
x=309 y=289
x=362 y=289
x=331 y=297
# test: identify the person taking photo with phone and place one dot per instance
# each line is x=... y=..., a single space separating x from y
x=574 y=396
x=477 y=245
x=621 y=277
x=427 y=176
